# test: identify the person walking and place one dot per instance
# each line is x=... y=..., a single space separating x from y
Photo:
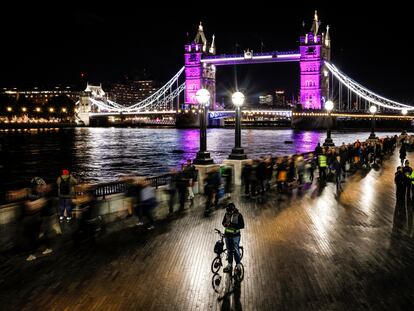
x=190 y=174
x=147 y=203
x=407 y=170
x=400 y=181
x=403 y=153
x=65 y=184
x=233 y=222
x=337 y=166
x=322 y=164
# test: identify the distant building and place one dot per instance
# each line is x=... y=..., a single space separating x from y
x=280 y=99
x=132 y=92
x=266 y=99
x=41 y=97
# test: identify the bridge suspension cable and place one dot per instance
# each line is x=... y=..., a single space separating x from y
x=160 y=99
x=363 y=92
x=155 y=97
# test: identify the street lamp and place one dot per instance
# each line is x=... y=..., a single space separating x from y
x=404 y=112
x=329 y=105
x=203 y=99
x=237 y=153
x=373 y=110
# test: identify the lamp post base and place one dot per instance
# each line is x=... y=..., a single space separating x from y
x=203 y=158
x=372 y=136
x=328 y=142
x=237 y=154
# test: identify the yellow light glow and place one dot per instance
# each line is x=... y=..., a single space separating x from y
x=51 y=109
x=9 y=109
x=63 y=109
x=24 y=109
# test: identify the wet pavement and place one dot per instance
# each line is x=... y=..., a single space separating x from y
x=310 y=251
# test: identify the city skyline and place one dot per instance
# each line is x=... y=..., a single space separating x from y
x=108 y=43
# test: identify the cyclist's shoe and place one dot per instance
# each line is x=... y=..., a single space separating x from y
x=227 y=269
x=237 y=269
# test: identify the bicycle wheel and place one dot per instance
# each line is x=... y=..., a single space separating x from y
x=241 y=248
x=216 y=282
x=216 y=264
x=239 y=274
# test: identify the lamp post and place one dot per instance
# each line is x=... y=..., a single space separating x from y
x=237 y=153
x=373 y=110
x=404 y=112
x=328 y=140
x=203 y=157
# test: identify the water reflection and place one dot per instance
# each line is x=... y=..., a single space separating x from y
x=104 y=154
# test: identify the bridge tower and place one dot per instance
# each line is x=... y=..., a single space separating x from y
x=199 y=75
x=84 y=108
x=91 y=91
x=314 y=80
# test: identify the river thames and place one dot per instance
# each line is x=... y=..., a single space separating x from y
x=105 y=154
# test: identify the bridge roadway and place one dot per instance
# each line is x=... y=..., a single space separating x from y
x=309 y=252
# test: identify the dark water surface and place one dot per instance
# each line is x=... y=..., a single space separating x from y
x=104 y=154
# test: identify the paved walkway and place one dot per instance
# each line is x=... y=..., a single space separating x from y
x=307 y=252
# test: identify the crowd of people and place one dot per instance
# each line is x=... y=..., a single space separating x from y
x=298 y=171
x=404 y=176
x=283 y=174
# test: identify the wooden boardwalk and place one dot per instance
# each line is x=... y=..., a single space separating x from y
x=305 y=252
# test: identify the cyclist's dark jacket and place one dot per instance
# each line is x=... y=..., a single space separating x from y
x=236 y=222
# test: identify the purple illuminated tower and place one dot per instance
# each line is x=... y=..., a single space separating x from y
x=199 y=75
x=314 y=79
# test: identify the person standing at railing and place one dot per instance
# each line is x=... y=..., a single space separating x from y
x=65 y=184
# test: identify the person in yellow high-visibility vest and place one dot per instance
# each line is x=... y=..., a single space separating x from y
x=411 y=180
x=233 y=221
x=322 y=164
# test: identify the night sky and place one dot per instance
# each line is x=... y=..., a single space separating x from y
x=45 y=46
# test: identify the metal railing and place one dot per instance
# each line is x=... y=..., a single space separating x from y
x=117 y=187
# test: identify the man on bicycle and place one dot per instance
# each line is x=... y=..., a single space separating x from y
x=233 y=222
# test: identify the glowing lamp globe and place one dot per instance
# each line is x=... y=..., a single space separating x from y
x=329 y=105
x=203 y=97
x=238 y=99
x=373 y=109
x=404 y=111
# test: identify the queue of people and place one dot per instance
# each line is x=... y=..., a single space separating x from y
x=404 y=176
x=298 y=171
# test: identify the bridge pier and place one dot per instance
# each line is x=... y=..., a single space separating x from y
x=84 y=109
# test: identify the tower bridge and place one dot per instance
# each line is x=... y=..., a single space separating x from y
x=320 y=80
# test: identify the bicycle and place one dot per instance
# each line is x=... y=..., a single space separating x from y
x=219 y=249
x=222 y=283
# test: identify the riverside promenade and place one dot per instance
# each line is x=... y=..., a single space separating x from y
x=309 y=251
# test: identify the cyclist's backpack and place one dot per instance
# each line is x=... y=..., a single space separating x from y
x=218 y=248
x=64 y=186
